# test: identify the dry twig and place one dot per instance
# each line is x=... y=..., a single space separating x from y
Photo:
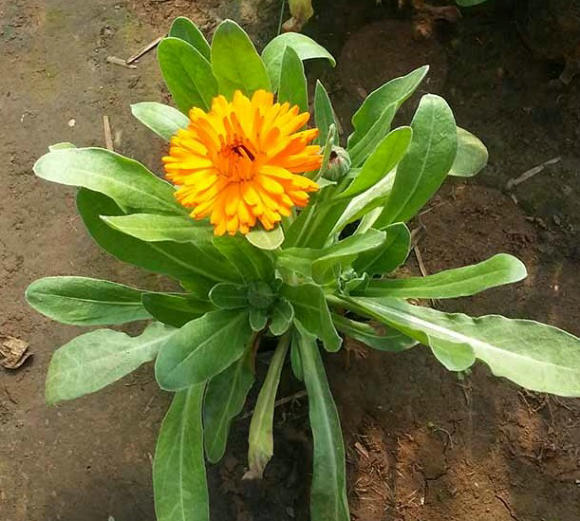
x=119 y=61
x=150 y=46
x=108 y=135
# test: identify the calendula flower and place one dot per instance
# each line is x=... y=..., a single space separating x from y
x=240 y=162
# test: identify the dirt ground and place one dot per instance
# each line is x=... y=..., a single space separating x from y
x=422 y=444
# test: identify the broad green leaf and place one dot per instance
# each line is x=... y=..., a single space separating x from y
x=165 y=229
x=202 y=348
x=235 y=62
x=384 y=158
x=124 y=180
x=262 y=295
x=328 y=490
x=282 y=317
x=459 y=282
x=324 y=115
x=175 y=309
x=293 y=87
x=428 y=161
x=252 y=263
x=395 y=92
x=311 y=310
x=344 y=252
x=184 y=29
x=323 y=265
x=371 y=140
x=375 y=336
x=81 y=301
x=224 y=400
x=261 y=439
x=362 y=204
x=471 y=155
x=94 y=360
x=156 y=228
x=389 y=256
x=168 y=258
x=536 y=356
x=305 y=47
x=229 y=296
x=455 y=356
x=162 y=119
x=179 y=479
x=187 y=73
x=266 y=240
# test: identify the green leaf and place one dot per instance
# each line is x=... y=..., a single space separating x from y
x=94 y=360
x=536 y=356
x=81 y=301
x=428 y=161
x=179 y=479
x=459 y=282
x=344 y=252
x=171 y=228
x=305 y=47
x=167 y=258
x=229 y=296
x=375 y=336
x=328 y=490
x=282 y=317
x=61 y=146
x=370 y=141
x=266 y=240
x=323 y=264
x=293 y=87
x=175 y=309
x=184 y=29
x=251 y=263
x=156 y=228
x=324 y=115
x=202 y=348
x=471 y=155
x=311 y=310
x=235 y=62
x=261 y=439
x=125 y=181
x=295 y=360
x=455 y=356
x=162 y=119
x=394 y=93
x=258 y=319
x=389 y=256
x=384 y=158
x=224 y=400
x=187 y=73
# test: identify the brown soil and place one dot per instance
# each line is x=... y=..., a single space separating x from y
x=422 y=443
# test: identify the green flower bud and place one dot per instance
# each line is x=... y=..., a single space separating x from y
x=338 y=164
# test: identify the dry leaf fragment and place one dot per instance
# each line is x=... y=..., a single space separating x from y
x=13 y=351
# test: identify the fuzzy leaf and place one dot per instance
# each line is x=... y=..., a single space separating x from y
x=175 y=309
x=536 y=356
x=184 y=29
x=305 y=47
x=94 y=360
x=179 y=479
x=235 y=62
x=471 y=155
x=124 y=180
x=293 y=88
x=324 y=115
x=202 y=348
x=187 y=73
x=81 y=301
x=459 y=282
x=328 y=490
x=390 y=255
x=162 y=119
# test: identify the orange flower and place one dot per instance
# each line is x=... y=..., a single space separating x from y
x=238 y=163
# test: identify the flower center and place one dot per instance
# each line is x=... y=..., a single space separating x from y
x=237 y=160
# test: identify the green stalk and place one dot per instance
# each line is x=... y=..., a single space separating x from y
x=261 y=438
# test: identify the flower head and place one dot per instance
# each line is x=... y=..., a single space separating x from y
x=239 y=162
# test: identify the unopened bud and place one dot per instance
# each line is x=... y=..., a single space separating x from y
x=338 y=164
